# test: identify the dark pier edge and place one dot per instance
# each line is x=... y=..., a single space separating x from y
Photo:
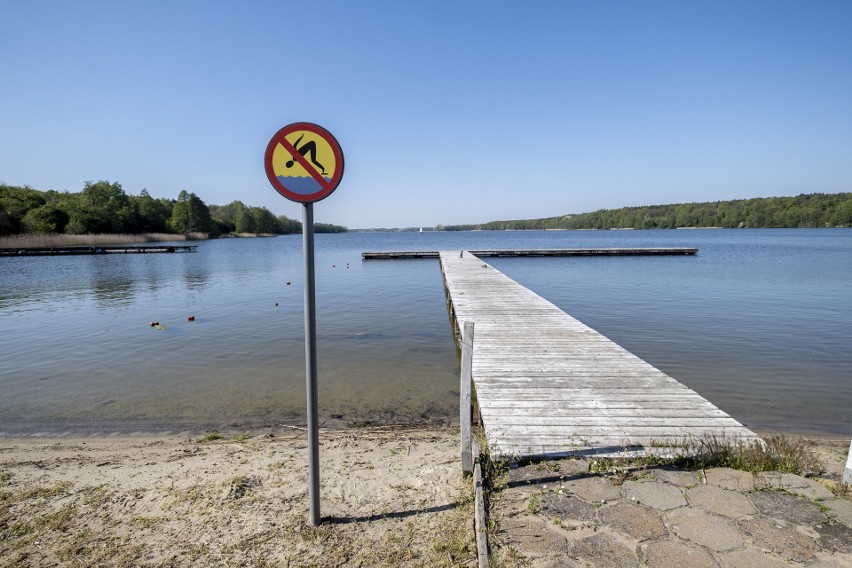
x=676 y=251
x=79 y=250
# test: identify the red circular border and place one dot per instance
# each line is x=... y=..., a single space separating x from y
x=335 y=148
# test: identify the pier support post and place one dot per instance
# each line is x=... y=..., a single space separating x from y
x=465 y=396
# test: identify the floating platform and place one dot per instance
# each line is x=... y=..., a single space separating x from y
x=77 y=250
x=549 y=386
x=402 y=255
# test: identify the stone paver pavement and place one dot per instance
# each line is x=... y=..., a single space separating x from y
x=559 y=514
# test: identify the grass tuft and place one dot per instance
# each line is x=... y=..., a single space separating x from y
x=53 y=491
x=775 y=453
x=210 y=436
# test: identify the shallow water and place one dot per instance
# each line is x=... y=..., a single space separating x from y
x=756 y=322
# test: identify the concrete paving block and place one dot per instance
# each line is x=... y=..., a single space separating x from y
x=675 y=476
x=532 y=537
x=568 y=508
x=732 y=479
x=789 y=508
x=835 y=537
x=634 y=521
x=667 y=553
x=714 y=499
x=797 y=484
x=654 y=494
x=780 y=537
x=752 y=558
x=715 y=532
x=828 y=560
x=594 y=489
x=840 y=509
x=605 y=550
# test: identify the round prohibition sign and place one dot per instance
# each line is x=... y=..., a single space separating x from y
x=304 y=162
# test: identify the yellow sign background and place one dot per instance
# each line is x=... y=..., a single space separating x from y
x=324 y=156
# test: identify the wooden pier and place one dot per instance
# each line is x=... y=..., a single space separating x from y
x=77 y=250
x=677 y=251
x=549 y=386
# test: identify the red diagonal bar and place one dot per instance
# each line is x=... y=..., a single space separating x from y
x=304 y=162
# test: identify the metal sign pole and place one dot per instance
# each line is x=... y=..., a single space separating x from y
x=311 y=362
x=291 y=162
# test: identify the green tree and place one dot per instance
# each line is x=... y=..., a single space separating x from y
x=264 y=220
x=190 y=214
x=102 y=207
x=153 y=215
x=289 y=226
x=244 y=221
x=15 y=202
x=45 y=219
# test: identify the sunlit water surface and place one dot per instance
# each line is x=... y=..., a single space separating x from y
x=757 y=322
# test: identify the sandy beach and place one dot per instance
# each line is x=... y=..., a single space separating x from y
x=391 y=496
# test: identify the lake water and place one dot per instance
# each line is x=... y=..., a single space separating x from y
x=758 y=322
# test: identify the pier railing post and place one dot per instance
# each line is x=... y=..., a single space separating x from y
x=465 y=396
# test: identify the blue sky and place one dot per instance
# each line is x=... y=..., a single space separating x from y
x=447 y=112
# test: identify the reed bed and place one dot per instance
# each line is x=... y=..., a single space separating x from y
x=36 y=240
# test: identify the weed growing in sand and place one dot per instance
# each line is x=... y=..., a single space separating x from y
x=96 y=496
x=181 y=496
x=53 y=491
x=211 y=436
x=515 y=558
x=242 y=437
x=5 y=476
x=456 y=542
x=841 y=489
x=146 y=522
x=239 y=486
x=58 y=520
x=534 y=503
x=20 y=528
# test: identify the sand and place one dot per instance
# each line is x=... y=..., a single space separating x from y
x=389 y=497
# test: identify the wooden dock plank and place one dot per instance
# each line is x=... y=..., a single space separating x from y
x=644 y=251
x=548 y=385
x=87 y=250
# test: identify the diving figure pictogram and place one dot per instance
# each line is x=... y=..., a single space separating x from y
x=308 y=148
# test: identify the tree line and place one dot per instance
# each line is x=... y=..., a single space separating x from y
x=801 y=211
x=104 y=207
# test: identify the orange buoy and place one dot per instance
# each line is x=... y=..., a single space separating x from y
x=191 y=318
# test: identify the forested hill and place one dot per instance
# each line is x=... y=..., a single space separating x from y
x=806 y=210
x=104 y=207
